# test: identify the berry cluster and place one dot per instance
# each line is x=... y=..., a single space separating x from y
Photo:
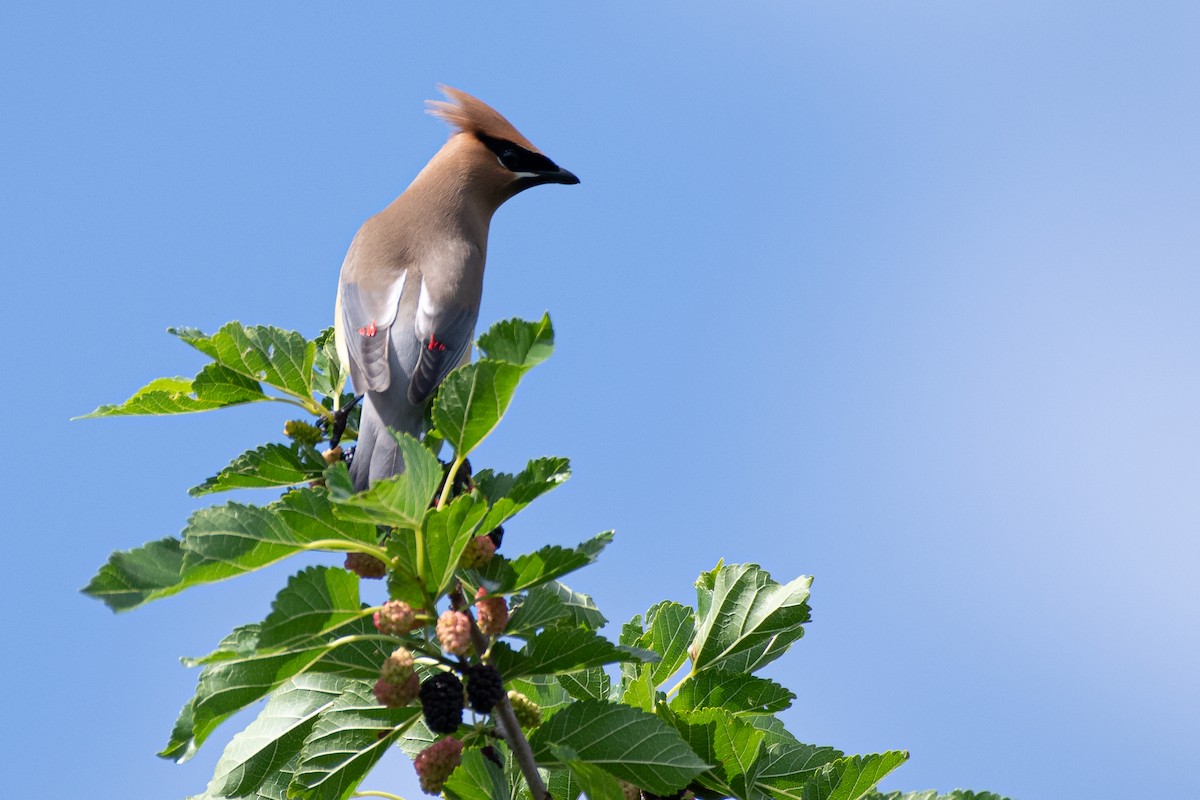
x=442 y=702
x=435 y=763
x=396 y=618
x=492 y=612
x=398 y=684
x=302 y=432
x=478 y=553
x=529 y=713
x=484 y=688
x=454 y=632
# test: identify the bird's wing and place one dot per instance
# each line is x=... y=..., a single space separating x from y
x=445 y=334
x=364 y=320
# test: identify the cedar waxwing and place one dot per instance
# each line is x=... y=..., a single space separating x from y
x=409 y=292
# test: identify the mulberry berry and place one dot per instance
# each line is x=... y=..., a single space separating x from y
x=398 y=667
x=479 y=551
x=442 y=702
x=396 y=618
x=484 y=688
x=302 y=432
x=496 y=535
x=454 y=632
x=529 y=713
x=492 y=613
x=435 y=763
x=365 y=566
x=397 y=695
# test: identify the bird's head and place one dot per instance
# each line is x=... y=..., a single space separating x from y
x=492 y=149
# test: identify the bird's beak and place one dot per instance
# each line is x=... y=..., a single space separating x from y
x=559 y=176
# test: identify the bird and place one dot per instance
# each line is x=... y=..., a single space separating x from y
x=411 y=283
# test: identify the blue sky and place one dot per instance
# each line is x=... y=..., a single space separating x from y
x=900 y=295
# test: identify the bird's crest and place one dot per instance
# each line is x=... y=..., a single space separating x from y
x=471 y=115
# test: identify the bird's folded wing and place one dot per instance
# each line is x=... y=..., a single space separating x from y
x=447 y=342
x=364 y=322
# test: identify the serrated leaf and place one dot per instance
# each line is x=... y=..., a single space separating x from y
x=215 y=383
x=559 y=650
x=282 y=359
x=448 y=531
x=316 y=601
x=164 y=396
x=537 y=609
x=328 y=377
x=133 y=577
x=476 y=778
x=747 y=619
x=238 y=674
x=400 y=501
x=519 y=342
x=471 y=401
x=594 y=782
x=735 y=692
x=509 y=494
x=528 y=570
x=274 y=739
x=851 y=778
x=265 y=466
x=592 y=683
x=225 y=541
x=347 y=740
x=670 y=629
x=626 y=742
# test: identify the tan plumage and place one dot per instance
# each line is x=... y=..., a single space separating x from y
x=409 y=292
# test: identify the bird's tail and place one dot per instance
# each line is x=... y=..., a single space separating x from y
x=376 y=455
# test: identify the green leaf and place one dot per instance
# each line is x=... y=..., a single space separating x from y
x=471 y=401
x=265 y=466
x=626 y=742
x=279 y=358
x=316 y=601
x=851 y=778
x=528 y=570
x=238 y=673
x=217 y=384
x=670 y=628
x=348 y=740
x=787 y=764
x=400 y=501
x=594 y=782
x=225 y=541
x=168 y=396
x=732 y=745
x=537 y=609
x=517 y=341
x=735 y=692
x=274 y=739
x=592 y=683
x=559 y=650
x=476 y=778
x=447 y=532
x=747 y=620
x=328 y=377
x=508 y=494
x=133 y=577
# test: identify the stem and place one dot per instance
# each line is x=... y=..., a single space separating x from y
x=458 y=462
x=674 y=690
x=342 y=546
x=511 y=727
x=370 y=793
